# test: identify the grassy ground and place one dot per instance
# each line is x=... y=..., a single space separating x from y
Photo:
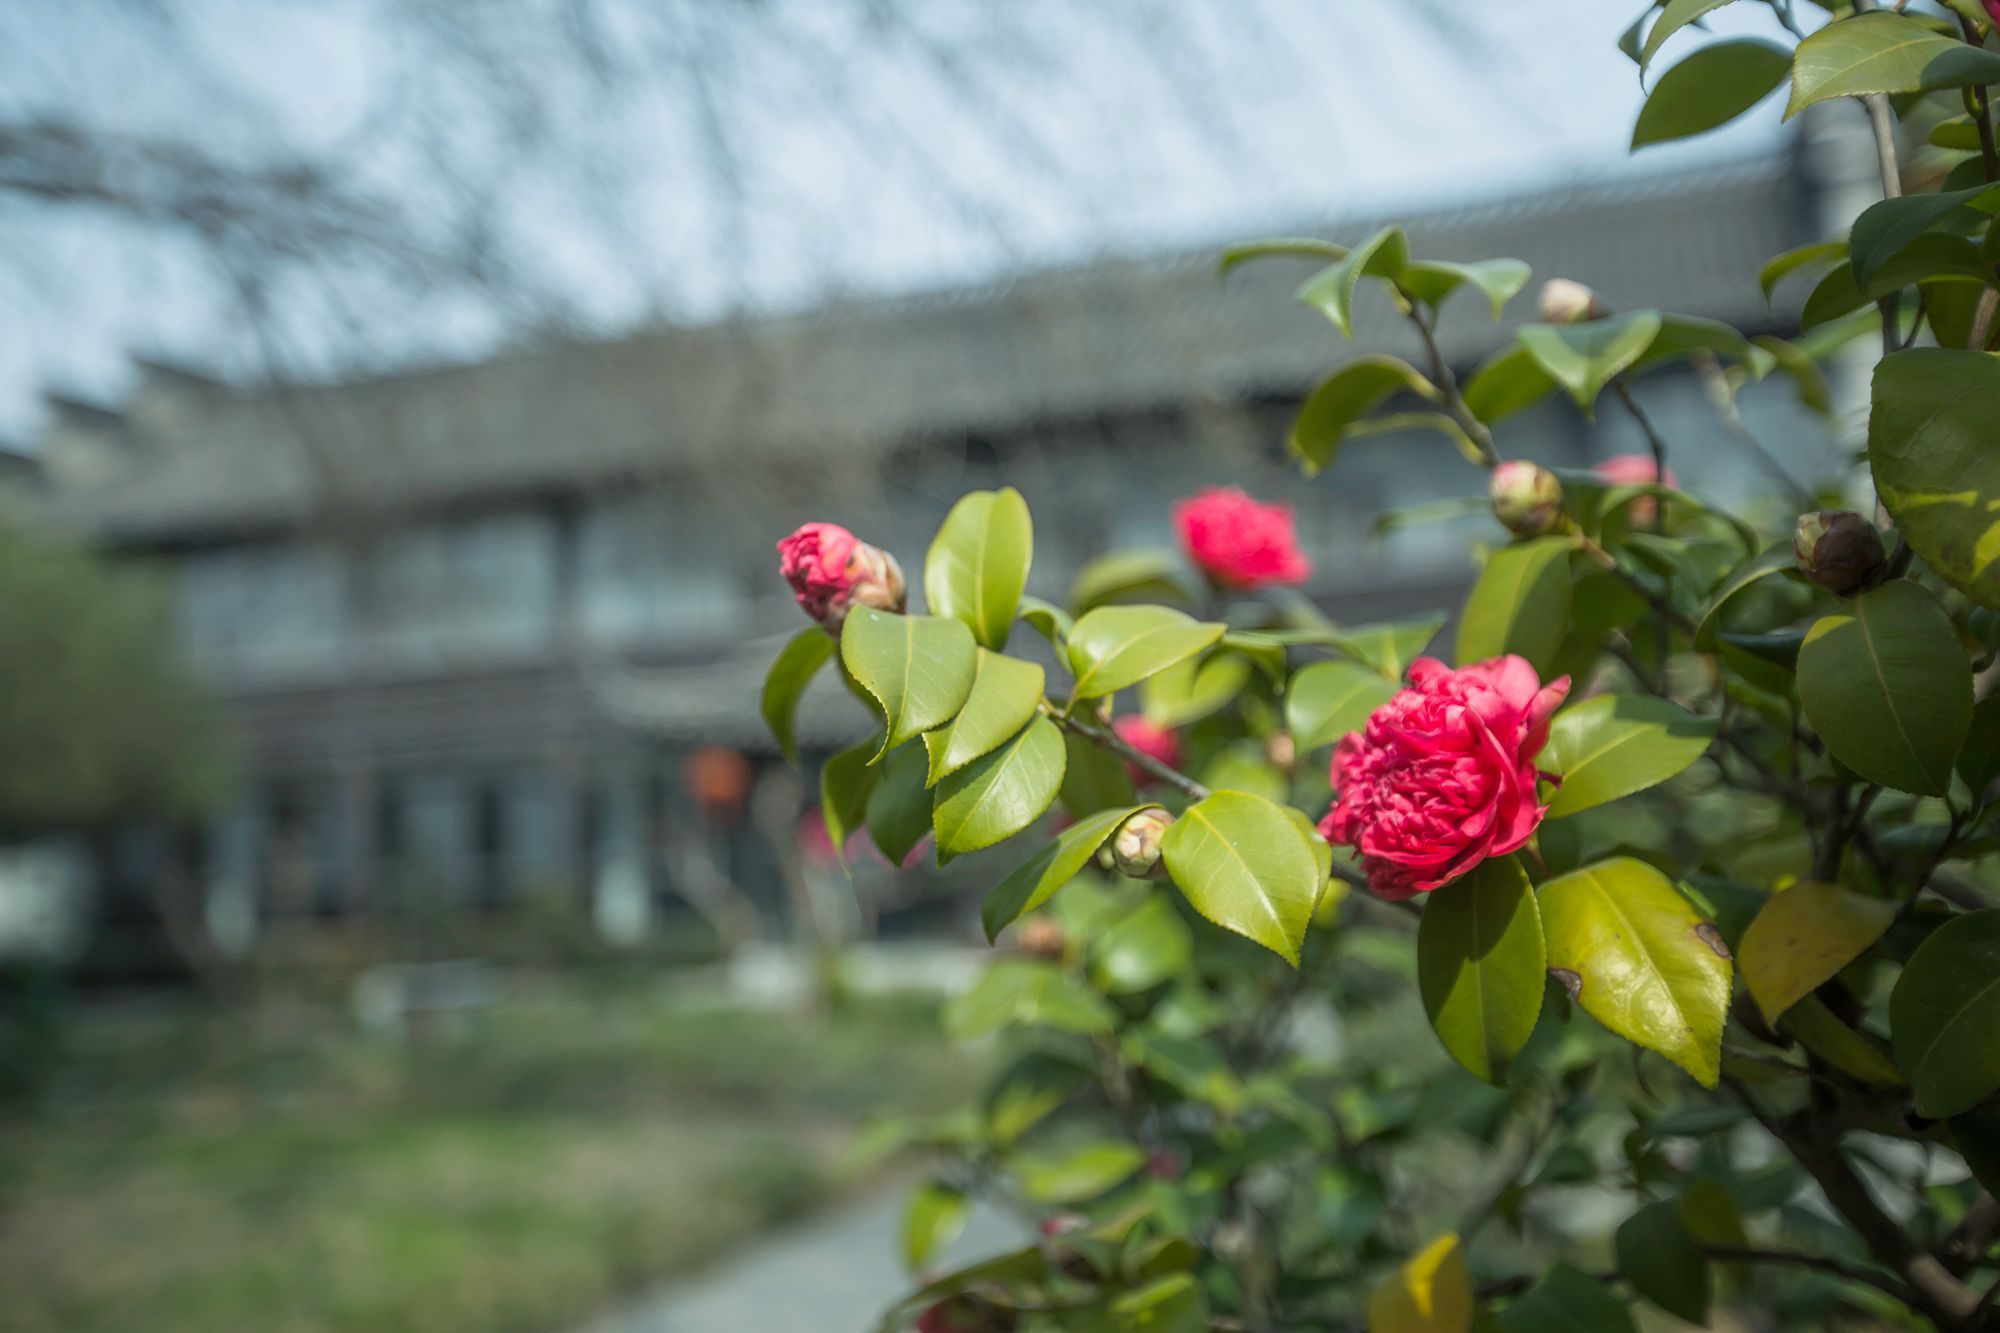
x=200 y=1175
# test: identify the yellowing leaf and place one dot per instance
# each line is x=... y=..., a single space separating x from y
x=1802 y=937
x=1432 y=1293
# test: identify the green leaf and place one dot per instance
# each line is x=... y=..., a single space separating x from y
x=1005 y=691
x=1289 y=246
x=1442 y=423
x=1094 y=778
x=1480 y=966
x=1640 y=960
x=1616 y=744
x=931 y=1222
x=1674 y=16
x=1027 y=992
x=1245 y=866
x=798 y=662
x=1499 y=279
x=1885 y=228
x=1430 y=1293
x=1836 y=295
x=1506 y=384
x=918 y=669
x=1195 y=1065
x=978 y=563
x=1343 y=398
x=1077 y=1174
x=1887 y=685
x=1856 y=1054
x=1803 y=937
x=1775 y=560
x=1791 y=261
x=1172 y=1304
x=1660 y=1259
x=1930 y=438
x=1016 y=1267
x=1585 y=357
x=1979 y=762
x=1519 y=605
x=1139 y=951
x=845 y=782
x=1944 y=1016
x=1883 y=53
x=1047 y=619
x=1117 y=646
x=1329 y=699
x=1192 y=689
x=899 y=809
x=1127 y=576
x=1931 y=260
x=1976 y=1135
x=1566 y=1300
x=1001 y=793
x=1035 y=880
x=1683 y=336
x=1391 y=646
x=1331 y=290
x=1710 y=88
x=1793 y=360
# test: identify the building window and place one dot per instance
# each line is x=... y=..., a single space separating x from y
x=268 y=613
x=647 y=578
x=475 y=589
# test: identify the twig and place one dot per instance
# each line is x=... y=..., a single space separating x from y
x=1973 y=1236
x=1447 y=384
x=1139 y=759
x=1982 y=108
x=1827 y=865
x=1609 y=563
x=1817 y=1262
x=1653 y=439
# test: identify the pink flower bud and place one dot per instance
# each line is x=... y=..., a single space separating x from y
x=1838 y=549
x=1993 y=11
x=1061 y=1224
x=1636 y=470
x=1568 y=302
x=1135 y=847
x=1238 y=542
x=1149 y=739
x=1527 y=498
x=831 y=570
x=1042 y=936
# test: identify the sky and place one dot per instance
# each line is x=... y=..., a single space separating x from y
x=687 y=159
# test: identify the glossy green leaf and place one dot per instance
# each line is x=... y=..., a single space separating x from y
x=1340 y=401
x=1944 y=1016
x=1774 y=561
x=798 y=662
x=1481 y=967
x=1616 y=744
x=1047 y=619
x=1031 y=883
x=1430 y=1293
x=1499 y=280
x=1192 y=689
x=1887 y=685
x=1566 y=1300
x=1117 y=646
x=1193 y=1064
x=1506 y=384
x=899 y=809
x=845 y=782
x=1139 y=951
x=1883 y=53
x=1674 y=15
x=978 y=563
x=1245 y=866
x=1835 y=295
x=1856 y=1054
x=1710 y=88
x=1094 y=778
x=1815 y=255
x=918 y=669
x=1331 y=290
x=1933 y=260
x=1684 y=336
x=1171 y=1304
x=1291 y=247
x=932 y=1220
x=1025 y=992
x=1979 y=762
x=1798 y=365
x=1976 y=1135
x=1004 y=694
x=1023 y=1266
x=1661 y=1260
x=1585 y=357
x=1329 y=699
x=1390 y=647
x=1930 y=443
x=1000 y=793
x=1128 y=576
x=1077 y=1174
x=1519 y=605
x=1803 y=937
x=1641 y=960
x=1885 y=228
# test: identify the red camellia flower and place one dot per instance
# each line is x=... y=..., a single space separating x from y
x=1149 y=739
x=1444 y=774
x=830 y=570
x=1238 y=542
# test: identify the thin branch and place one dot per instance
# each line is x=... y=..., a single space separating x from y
x=1712 y=378
x=1447 y=383
x=1817 y=1262
x=1607 y=562
x=1105 y=738
x=1973 y=1236
x=1654 y=441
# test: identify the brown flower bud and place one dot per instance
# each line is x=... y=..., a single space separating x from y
x=1568 y=302
x=1527 y=498
x=1042 y=936
x=1839 y=550
x=1281 y=750
x=1135 y=847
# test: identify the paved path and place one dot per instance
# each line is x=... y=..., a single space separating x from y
x=836 y=1273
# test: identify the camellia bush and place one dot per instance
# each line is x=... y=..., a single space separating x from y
x=1635 y=950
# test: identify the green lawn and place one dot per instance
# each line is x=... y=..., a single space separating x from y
x=181 y=1174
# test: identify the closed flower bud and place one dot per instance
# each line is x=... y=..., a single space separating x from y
x=1527 y=498
x=1281 y=750
x=831 y=570
x=1135 y=847
x=1839 y=550
x=1568 y=302
x=1041 y=936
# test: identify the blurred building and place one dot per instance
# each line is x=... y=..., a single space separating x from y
x=471 y=620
